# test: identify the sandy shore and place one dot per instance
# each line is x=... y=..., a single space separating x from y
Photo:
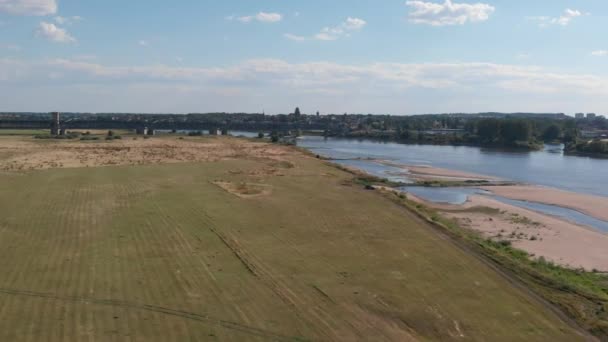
x=591 y=205
x=423 y=172
x=560 y=241
x=429 y=172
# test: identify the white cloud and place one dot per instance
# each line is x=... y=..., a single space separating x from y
x=342 y=30
x=563 y=20
x=600 y=53
x=268 y=17
x=142 y=43
x=568 y=16
x=353 y=24
x=448 y=13
x=53 y=33
x=333 y=33
x=67 y=20
x=29 y=7
x=263 y=17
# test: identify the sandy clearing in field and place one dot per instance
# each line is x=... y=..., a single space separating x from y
x=591 y=205
x=560 y=241
x=24 y=154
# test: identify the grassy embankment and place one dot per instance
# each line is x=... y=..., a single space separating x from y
x=239 y=249
x=581 y=295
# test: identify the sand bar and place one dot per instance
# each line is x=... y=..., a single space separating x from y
x=591 y=205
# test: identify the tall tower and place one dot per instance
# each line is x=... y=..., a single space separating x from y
x=55 y=127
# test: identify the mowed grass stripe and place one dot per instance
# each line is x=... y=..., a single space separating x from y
x=153 y=215
x=185 y=245
x=251 y=283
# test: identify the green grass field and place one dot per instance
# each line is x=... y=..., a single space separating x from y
x=160 y=252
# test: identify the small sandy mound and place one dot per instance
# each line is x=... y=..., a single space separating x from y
x=245 y=190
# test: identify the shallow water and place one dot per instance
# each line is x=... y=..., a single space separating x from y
x=461 y=195
x=561 y=212
x=391 y=173
x=443 y=195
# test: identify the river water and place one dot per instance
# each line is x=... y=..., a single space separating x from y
x=549 y=167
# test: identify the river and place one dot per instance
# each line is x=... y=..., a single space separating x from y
x=549 y=167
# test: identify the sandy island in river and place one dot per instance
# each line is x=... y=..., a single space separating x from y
x=424 y=172
x=591 y=205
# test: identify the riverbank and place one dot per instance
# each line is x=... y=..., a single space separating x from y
x=559 y=240
x=556 y=240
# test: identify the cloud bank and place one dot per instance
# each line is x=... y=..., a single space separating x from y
x=273 y=84
x=29 y=7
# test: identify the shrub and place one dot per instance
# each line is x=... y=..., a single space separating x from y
x=274 y=137
x=261 y=135
x=505 y=243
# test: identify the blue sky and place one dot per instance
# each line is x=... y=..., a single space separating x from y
x=356 y=56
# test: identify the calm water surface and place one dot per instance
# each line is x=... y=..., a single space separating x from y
x=549 y=167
